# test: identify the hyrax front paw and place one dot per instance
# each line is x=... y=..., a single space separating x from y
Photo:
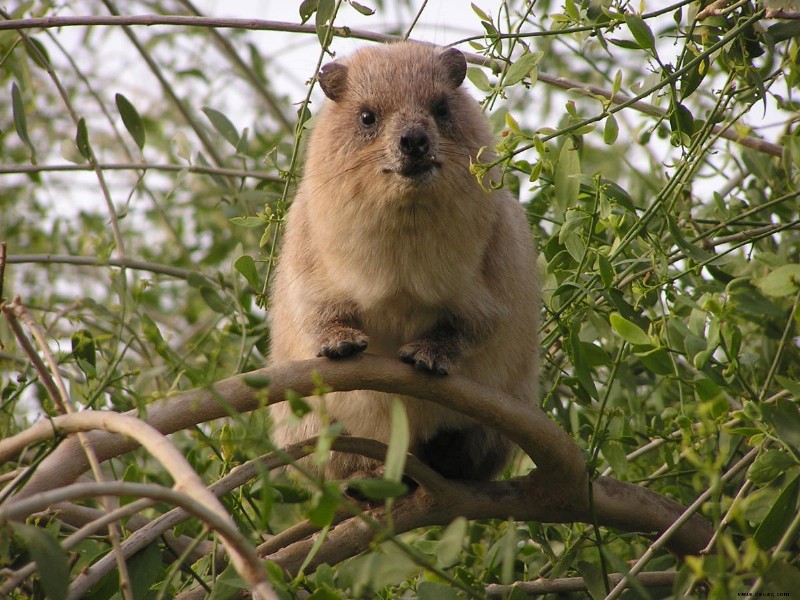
x=340 y=342
x=427 y=356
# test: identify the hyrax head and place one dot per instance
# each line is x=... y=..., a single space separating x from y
x=399 y=111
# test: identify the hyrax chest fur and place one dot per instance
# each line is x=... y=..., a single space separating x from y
x=393 y=247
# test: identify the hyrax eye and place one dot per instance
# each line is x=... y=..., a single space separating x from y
x=441 y=110
x=367 y=117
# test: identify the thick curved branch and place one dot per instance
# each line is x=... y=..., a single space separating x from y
x=556 y=492
x=533 y=498
x=548 y=445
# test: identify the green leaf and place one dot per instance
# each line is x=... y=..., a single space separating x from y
x=567 y=184
x=324 y=19
x=784 y=417
x=153 y=335
x=50 y=558
x=247 y=267
x=20 y=122
x=325 y=593
x=606 y=270
x=681 y=120
x=307 y=8
x=38 y=53
x=783 y=281
x=398 y=443
x=131 y=120
x=656 y=360
x=387 y=565
x=781 y=577
x=257 y=382
x=449 y=547
x=706 y=389
x=82 y=139
x=593 y=578
x=749 y=300
x=479 y=79
x=792 y=144
x=297 y=403
x=769 y=465
x=144 y=567
x=780 y=32
x=364 y=10
x=692 y=78
x=522 y=67
x=183 y=147
x=629 y=331
x=641 y=31
x=611 y=130
x=616 y=456
x=580 y=362
x=223 y=125
x=85 y=352
x=433 y=590
x=628 y=44
x=214 y=301
x=779 y=517
x=478 y=11
x=378 y=489
x=289 y=494
x=247 y=221
x=325 y=506
x=508 y=552
x=790 y=385
x=691 y=251
x=228 y=585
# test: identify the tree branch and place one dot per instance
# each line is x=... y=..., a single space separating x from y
x=549 y=446
x=755 y=143
x=131 y=263
x=187 y=481
x=133 y=166
x=540 y=587
x=557 y=491
x=220 y=522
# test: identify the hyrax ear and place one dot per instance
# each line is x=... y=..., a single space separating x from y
x=333 y=80
x=454 y=66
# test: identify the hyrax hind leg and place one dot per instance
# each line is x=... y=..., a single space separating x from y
x=472 y=453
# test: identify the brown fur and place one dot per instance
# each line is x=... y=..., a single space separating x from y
x=401 y=252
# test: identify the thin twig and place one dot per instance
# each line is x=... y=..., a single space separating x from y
x=190 y=118
x=132 y=263
x=243 y=555
x=133 y=166
x=34 y=51
x=564 y=585
x=227 y=47
x=664 y=537
x=14 y=313
x=2 y=275
x=755 y=143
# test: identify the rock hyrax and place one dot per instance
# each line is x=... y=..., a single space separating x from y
x=393 y=247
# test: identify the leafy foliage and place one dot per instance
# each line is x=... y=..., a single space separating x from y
x=658 y=156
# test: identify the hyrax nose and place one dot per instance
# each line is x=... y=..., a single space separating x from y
x=414 y=142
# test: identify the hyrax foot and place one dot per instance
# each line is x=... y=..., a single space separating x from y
x=340 y=342
x=427 y=356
